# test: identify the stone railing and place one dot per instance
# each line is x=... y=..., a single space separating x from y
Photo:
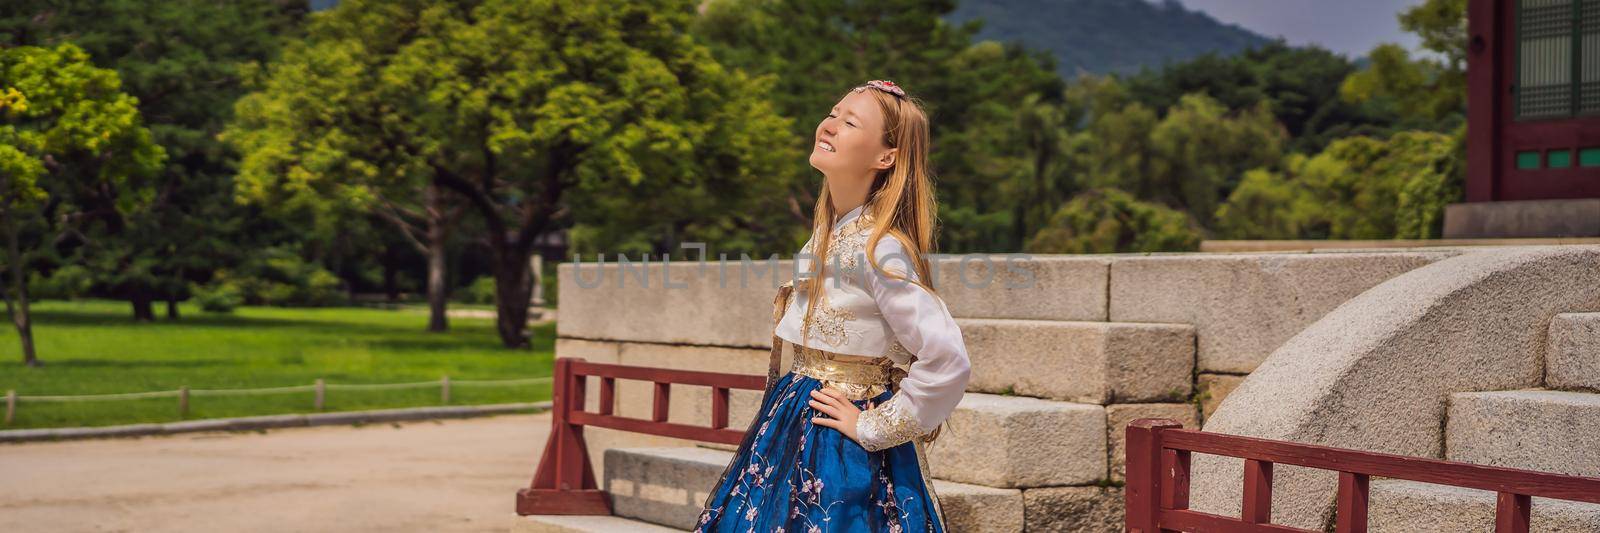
x=1376 y=372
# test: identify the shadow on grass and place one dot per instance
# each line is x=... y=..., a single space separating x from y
x=124 y=363
x=342 y=326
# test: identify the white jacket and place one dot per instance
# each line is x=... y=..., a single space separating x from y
x=865 y=312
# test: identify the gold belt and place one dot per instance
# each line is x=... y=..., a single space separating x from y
x=859 y=380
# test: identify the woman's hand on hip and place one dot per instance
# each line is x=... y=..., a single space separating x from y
x=832 y=402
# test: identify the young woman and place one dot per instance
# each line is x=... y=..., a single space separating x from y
x=837 y=444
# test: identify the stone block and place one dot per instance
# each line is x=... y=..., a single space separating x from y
x=716 y=303
x=978 y=508
x=1074 y=509
x=1086 y=362
x=669 y=486
x=1245 y=305
x=1573 y=359
x=583 y=524
x=1043 y=287
x=1018 y=442
x=1547 y=431
x=1399 y=506
x=666 y=486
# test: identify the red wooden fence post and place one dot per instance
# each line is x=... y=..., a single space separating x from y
x=1511 y=513
x=1143 y=491
x=564 y=482
x=1353 y=491
x=1175 y=486
x=1257 y=491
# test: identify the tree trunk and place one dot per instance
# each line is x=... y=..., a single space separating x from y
x=391 y=276
x=437 y=235
x=19 y=291
x=172 y=307
x=140 y=297
x=512 y=291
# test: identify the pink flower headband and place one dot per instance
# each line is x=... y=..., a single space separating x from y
x=885 y=86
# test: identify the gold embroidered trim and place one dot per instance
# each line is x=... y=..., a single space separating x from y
x=895 y=348
x=858 y=380
x=927 y=482
x=830 y=323
x=849 y=243
x=847 y=253
x=890 y=424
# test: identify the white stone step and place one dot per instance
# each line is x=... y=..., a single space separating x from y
x=1547 y=431
x=1398 y=506
x=585 y=524
x=664 y=486
x=1020 y=442
x=1086 y=362
x=1572 y=360
x=668 y=486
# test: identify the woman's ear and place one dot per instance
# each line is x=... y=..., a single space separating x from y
x=887 y=159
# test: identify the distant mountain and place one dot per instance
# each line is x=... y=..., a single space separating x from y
x=1099 y=36
x=1106 y=36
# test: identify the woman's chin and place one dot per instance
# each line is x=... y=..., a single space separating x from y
x=816 y=159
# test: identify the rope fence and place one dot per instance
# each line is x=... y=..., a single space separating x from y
x=319 y=389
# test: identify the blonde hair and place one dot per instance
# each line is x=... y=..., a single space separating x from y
x=900 y=202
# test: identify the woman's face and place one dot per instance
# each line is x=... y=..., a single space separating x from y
x=849 y=139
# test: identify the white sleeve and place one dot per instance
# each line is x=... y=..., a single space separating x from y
x=939 y=373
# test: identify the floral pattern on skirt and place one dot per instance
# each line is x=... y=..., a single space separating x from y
x=792 y=475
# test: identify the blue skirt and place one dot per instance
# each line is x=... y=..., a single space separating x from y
x=794 y=476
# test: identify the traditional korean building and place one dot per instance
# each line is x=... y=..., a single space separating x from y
x=1533 y=113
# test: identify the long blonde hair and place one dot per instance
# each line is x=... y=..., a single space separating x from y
x=900 y=202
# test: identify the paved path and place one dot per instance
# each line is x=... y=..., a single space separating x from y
x=447 y=475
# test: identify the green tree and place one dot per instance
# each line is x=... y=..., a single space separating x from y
x=1200 y=152
x=1190 y=159
x=329 y=136
x=535 y=114
x=816 y=49
x=182 y=61
x=1300 y=85
x=1108 y=220
x=1423 y=89
x=1359 y=188
x=67 y=128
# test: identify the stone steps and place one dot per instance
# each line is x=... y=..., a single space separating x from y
x=585 y=524
x=1541 y=430
x=1572 y=360
x=996 y=455
x=1019 y=442
x=1547 y=431
x=1398 y=506
x=667 y=487
x=1084 y=362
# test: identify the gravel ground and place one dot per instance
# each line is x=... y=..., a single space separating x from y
x=445 y=475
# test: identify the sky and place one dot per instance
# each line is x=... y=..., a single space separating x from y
x=1349 y=27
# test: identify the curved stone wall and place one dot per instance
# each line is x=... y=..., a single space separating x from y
x=1376 y=372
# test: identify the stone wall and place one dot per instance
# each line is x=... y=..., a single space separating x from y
x=1066 y=351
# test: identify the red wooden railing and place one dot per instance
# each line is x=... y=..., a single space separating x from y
x=1157 y=491
x=564 y=482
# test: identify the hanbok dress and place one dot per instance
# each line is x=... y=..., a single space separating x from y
x=894 y=350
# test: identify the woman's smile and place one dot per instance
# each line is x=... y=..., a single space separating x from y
x=826 y=146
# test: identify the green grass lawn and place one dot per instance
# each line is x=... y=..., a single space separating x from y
x=94 y=347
